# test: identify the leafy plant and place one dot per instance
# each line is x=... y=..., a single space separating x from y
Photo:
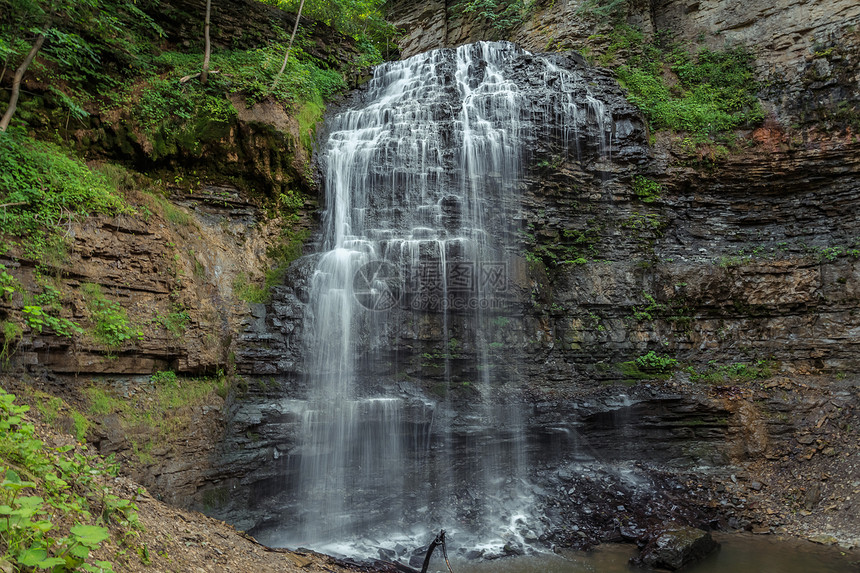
x=647 y=313
x=11 y=334
x=167 y=377
x=604 y=10
x=715 y=92
x=111 y=326
x=174 y=322
x=656 y=362
x=716 y=374
x=9 y=285
x=363 y=20
x=646 y=189
x=501 y=14
x=46 y=517
x=36 y=318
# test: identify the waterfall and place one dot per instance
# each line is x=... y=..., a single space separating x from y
x=423 y=180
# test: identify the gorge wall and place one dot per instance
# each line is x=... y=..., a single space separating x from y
x=744 y=268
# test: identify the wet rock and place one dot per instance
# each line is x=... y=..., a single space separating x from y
x=676 y=548
x=513 y=548
x=387 y=554
x=824 y=539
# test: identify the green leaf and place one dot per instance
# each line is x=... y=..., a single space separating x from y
x=32 y=557
x=80 y=551
x=42 y=525
x=50 y=563
x=90 y=535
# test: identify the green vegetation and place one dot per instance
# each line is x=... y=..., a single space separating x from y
x=502 y=15
x=42 y=189
x=683 y=88
x=110 y=320
x=166 y=377
x=9 y=285
x=281 y=254
x=647 y=313
x=11 y=335
x=361 y=20
x=95 y=48
x=571 y=247
x=646 y=189
x=647 y=222
x=174 y=322
x=54 y=504
x=714 y=91
x=719 y=374
x=773 y=251
x=36 y=318
x=603 y=10
x=52 y=409
x=656 y=362
x=153 y=415
x=178 y=115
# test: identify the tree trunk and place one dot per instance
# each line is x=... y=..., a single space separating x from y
x=16 y=82
x=204 y=75
x=290 y=45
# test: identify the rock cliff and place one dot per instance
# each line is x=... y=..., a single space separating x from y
x=743 y=267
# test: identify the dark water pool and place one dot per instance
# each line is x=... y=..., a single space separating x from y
x=739 y=554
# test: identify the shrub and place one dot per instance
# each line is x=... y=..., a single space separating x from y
x=45 y=500
x=656 y=362
x=646 y=189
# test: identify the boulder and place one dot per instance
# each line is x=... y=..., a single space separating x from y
x=676 y=547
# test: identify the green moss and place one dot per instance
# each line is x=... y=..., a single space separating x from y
x=10 y=333
x=656 y=363
x=501 y=15
x=281 y=255
x=308 y=115
x=717 y=374
x=157 y=412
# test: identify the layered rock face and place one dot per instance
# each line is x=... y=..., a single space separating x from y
x=806 y=52
x=745 y=254
x=745 y=262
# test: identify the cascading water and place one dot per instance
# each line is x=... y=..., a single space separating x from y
x=422 y=187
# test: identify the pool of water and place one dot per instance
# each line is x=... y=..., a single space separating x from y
x=740 y=553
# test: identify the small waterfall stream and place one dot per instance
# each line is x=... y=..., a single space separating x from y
x=422 y=188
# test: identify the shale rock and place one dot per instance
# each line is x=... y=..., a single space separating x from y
x=676 y=548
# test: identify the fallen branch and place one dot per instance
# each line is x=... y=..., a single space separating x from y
x=186 y=79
